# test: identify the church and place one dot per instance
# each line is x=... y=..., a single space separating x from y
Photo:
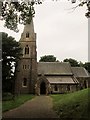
x=45 y=77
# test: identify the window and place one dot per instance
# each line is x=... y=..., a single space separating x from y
x=85 y=84
x=27 y=35
x=68 y=87
x=55 y=88
x=24 y=66
x=24 y=84
x=26 y=50
x=73 y=1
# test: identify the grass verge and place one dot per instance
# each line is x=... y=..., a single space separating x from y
x=73 y=106
x=10 y=104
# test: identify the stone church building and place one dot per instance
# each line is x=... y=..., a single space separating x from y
x=45 y=77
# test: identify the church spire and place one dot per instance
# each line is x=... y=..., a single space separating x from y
x=28 y=32
x=27 y=65
x=29 y=27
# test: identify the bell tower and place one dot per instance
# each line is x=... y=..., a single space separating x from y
x=26 y=74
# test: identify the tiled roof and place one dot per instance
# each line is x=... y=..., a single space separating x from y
x=80 y=72
x=62 y=80
x=54 y=68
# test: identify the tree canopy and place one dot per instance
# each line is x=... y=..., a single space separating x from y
x=48 y=58
x=75 y=63
x=10 y=55
x=16 y=12
x=87 y=66
x=72 y=62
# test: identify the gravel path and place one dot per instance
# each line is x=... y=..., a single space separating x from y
x=38 y=107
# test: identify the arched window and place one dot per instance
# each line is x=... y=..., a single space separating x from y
x=27 y=35
x=85 y=84
x=55 y=88
x=24 y=84
x=26 y=50
x=68 y=87
x=25 y=66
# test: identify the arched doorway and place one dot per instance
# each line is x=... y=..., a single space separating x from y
x=42 y=88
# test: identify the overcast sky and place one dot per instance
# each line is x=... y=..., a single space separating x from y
x=61 y=31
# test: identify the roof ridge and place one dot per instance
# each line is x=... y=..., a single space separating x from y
x=77 y=67
x=54 y=62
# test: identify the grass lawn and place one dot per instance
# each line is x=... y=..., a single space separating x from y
x=72 y=105
x=10 y=104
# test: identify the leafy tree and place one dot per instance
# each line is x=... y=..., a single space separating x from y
x=10 y=55
x=48 y=58
x=81 y=64
x=87 y=66
x=22 y=11
x=17 y=11
x=72 y=62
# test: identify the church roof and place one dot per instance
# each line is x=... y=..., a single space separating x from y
x=80 y=72
x=54 y=68
x=62 y=80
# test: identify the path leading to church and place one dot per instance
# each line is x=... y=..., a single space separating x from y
x=39 y=107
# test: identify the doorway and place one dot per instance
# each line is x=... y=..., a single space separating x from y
x=43 y=88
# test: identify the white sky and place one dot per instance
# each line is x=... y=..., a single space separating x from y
x=60 y=32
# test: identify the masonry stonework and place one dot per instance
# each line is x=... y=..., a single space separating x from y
x=45 y=77
x=27 y=65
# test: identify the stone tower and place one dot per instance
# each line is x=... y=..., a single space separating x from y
x=26 y=74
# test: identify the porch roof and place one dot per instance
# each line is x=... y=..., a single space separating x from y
x=62 y=80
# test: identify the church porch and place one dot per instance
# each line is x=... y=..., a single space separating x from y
x=57 y=84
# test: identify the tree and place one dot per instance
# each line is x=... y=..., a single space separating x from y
x=17 y=11
x=10 y=55
x=87 y=66
x=72 y=62
x=80 y=64
x=48 y=58
x=22 y=11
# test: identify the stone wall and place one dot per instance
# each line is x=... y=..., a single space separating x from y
x=83 y=82
x=63 y=88
x=53 y=88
